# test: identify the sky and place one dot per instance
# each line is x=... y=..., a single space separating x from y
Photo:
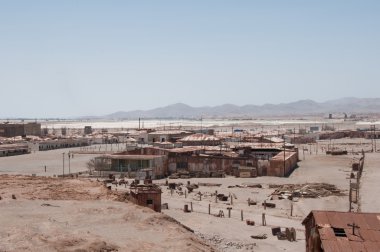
x=76 y=58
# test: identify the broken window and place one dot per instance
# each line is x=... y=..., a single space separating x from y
x=339 y=232
x=149 y=202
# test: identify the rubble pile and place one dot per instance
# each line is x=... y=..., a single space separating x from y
x=246 y=185
x=224 y=244
x=312 y=190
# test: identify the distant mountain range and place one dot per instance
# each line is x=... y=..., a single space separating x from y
x=303 y=107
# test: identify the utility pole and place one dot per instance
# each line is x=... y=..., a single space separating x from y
x=201 y=124
x=63 y=165
x=69 y=164
x=284 y=158
x=373 y=130
x=374 y=135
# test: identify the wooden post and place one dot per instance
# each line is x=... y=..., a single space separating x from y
x=209 y=208
x=191 y=206
x=291 y=209
x=264 y=222
x=242 y=218
x=232 y=202
x=171 y=192
x=229 y=212
x=200 y=197
x=216 y=196
x=350 y=199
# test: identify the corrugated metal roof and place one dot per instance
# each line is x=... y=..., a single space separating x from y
x=169 y=132
x=280 y=156
x=134 y=157
x=199 y=137
x=185 y=149
x=365 y=238
x=256 y=145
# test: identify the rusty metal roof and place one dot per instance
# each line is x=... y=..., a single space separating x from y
x=186 y=149
x=365 y=238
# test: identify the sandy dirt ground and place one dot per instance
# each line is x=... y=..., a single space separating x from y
x=35 y=162
x=370 y=187
x=50 y=214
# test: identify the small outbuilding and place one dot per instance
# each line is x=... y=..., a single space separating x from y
x=148 y=195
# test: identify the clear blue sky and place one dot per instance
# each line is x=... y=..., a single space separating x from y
x=72 y=58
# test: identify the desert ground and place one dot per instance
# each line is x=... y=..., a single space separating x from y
x=55 y=214
x=50 y=214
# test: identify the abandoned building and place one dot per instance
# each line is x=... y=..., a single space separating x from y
x=87 y=130
x=62 y=143
x=342 y=231
x=372 y=134
x=201 y=161
x=14 y=149
x=198 y=162
x=135 y=166
x=147 y=195
x=282 y=164
x=20 y=129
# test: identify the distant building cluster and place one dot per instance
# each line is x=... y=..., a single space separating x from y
x=178 y=152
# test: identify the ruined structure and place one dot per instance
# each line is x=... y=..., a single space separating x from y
x=148 y=195
x=20 y=129
x=201 y=161
x=340 y=231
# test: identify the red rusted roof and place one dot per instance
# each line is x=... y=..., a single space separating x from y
x=366 y=237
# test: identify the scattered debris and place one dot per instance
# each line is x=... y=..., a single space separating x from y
x=289 y=234
x=253 y=185
x=276 y=230
x=270 y=205
x=250 y=222
x=313 y=190
x=220 y=214
x=208 y=184
x=246 y=185
x=172 y=186
x=46 y=204
x=260 y=237
x=186 y=209
x=191 y=187
x=222 y=197
x=13 y=196
x=251 y=202
x=337 y=152
x=218 y=241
